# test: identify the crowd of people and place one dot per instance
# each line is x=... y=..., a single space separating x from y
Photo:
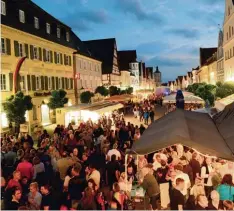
x=85 y=169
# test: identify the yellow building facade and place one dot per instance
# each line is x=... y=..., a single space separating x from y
x=48 y=66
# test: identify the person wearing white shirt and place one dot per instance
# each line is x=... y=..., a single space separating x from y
x=207 y=173
x=94 y=174
x=114 y=151
x=185 y=177
x=157 y=162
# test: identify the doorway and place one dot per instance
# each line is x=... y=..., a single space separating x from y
x=45 y=114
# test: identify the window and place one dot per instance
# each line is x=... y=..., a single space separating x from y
x=47 y=56
x=3 y=82
x=60 y=83
x=22 y=82
x=35 y=53
x=49 y=83
x=232 y=30
x=21 y=16
x=58 y=58
x=36 y=22
x=227 y=35
x=66 y=62
x=3 y=8
x=21 y=50
x=58 y=32
x=67 y=36
x=47 y=28
x=38 y=82
x=34 y=112
x=68 y=83
x=3 y=45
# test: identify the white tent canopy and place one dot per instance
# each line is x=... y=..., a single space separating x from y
x=187 y=98
x=221 y=104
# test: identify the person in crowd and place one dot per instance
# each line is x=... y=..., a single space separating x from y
x=177 y=201
x=179 y=100
x=214 y=203
x=115 y=152
x=157 y=162
x=207 y=173
x=34 y=197
x=112 y=171
x=161 y=173
x=195 y=165
x=228 y=205
x=187 y=169
x=93 y=173
x=14 y=204
x=202 y=202
x=88 y=201
x=25 y=168
x=38 y=169
x=226 y=189
x=118 y=198
x=47 y=202
x=146 y=117
x=151 y=115
x=15 y=181
x=151 y=186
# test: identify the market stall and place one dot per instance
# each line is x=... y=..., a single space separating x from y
x=120 y=98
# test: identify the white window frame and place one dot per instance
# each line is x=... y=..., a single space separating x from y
x=47 y=56
x=21 y=49
x=58 y=32
x=38 y=79
x=67 y=36
x=3 y=45
x=23 y=82
x=3 y=78
x=58 y=58
x=35 y=52
x=21 y=16
x=60 y=83
x=47 y=28
x=3 y=7
x=49 y=83
x=36 y=23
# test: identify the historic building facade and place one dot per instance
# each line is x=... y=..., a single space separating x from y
x=220 y=65
x=157 y=77
x=228 y=41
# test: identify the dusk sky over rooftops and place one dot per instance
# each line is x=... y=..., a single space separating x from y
x=165 y=33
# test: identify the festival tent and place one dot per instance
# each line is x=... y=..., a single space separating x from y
x=191 y=129
x=222 y=103
x=225 y=123
x=187 y=99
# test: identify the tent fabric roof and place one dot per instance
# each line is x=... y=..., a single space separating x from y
x=225 y=123
x=187 y=99
x=192 y=129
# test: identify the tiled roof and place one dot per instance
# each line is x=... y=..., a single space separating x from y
x=180 y=78
x=205 y=54
x=126 y=57
x=190 y=74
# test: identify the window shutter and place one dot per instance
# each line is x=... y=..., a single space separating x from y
x=51 y=56
x=66 y=84
x=40 y=54
x=55 y=57
x=71 y=81
x=42 y=83
x=8 y=46
x=61 y=58
x=46 y=83
x=26 y=50
x=63 y=87
x=44 y=55
x=33 y=82
x=31 y=52
x=70 y=60
x=65 y=63
x=16 y=45
x=29 y=82
x=53 y=87
x=57 y=85
x=18 y=83
x=11 y=81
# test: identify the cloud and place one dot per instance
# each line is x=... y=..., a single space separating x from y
x=187 y=33
x=164 y=62
x=82 y=21
x=135 y=8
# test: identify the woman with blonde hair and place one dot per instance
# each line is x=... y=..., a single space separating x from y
x=124 y=184
x=34 y=197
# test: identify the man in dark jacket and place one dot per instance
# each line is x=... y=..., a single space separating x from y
x=187 y=169
x=76 y=186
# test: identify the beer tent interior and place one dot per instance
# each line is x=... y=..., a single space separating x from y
x=214 y=137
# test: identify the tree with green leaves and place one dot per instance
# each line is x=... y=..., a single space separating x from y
x=102 y=90
x=129 y=90
x=113 y=90
x=85 y=97
x=58 y=99
x=225 y=90
x=15 y=107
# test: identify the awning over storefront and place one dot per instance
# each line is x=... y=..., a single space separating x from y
x=195 y=130
x=187 y=99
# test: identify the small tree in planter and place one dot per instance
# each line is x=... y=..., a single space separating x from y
x=113 y=90
x=16 y=107
x=129 y=90
x=102 y=91
x=85 y=97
